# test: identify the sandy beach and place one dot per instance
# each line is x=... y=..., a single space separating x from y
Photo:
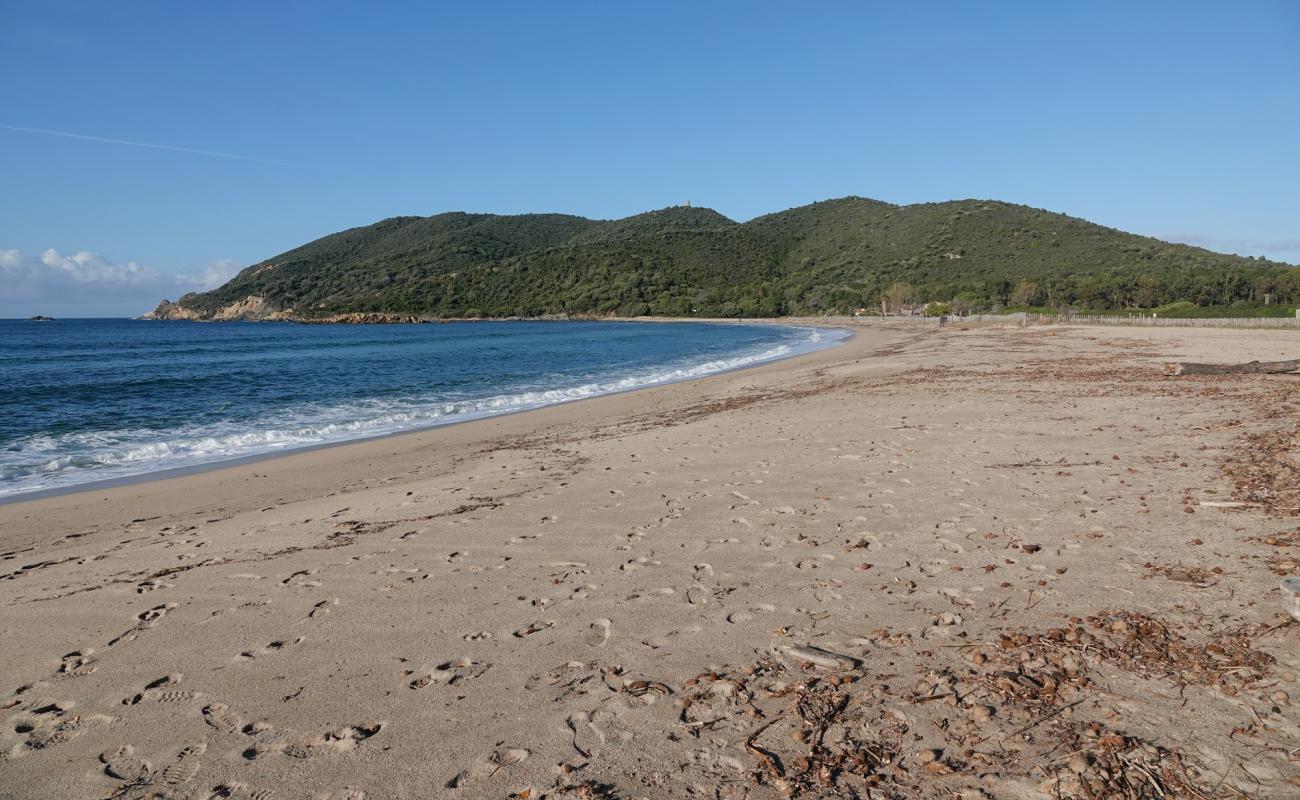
x=977 y=562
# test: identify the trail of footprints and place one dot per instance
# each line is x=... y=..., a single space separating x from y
x=575 y=679
x=83 y=662
x=47 y=724
x=266 y=739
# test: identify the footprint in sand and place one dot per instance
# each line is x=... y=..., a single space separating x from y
x=451 y=672
x=158 y=691
x=342 y=739
x=186 y=765
x=585 y=737
x=569 y=680
x=640 y=562
x=219 y=716
x=144 y=620
x=933 y=567
x=532 y=628
x=124 y=765
x=582 y=592
x=339 y=740
x=598 y=633
x=240 y=791
x=653 y=594
x=176 y=696
x=268 y=740
x=271 y=648
x=150 y=617
x=490 y=765
x=322 y=608
x=50 y=725
x=301 y=580
x=77 y=663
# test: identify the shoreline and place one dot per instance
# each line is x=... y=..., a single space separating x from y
x=924 y=544
x=239 y=468
x=252 y=458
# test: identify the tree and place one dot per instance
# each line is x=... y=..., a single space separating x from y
x=1026 y=294
x=965 y=302
x=896 y=296
x=1288 y=286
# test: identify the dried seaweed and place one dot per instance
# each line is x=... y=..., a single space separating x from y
x=1264 y=471
x=1104 y=764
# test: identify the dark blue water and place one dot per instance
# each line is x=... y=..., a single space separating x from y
x=89 y=400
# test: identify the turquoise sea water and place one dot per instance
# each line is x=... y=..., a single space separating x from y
x=89 y=400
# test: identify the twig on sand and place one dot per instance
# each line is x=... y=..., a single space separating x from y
x=1040 y=463
x=768 y=759
x=1043 y=719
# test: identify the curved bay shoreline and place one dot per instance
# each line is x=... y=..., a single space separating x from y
x=653 y=594
x=715 y=367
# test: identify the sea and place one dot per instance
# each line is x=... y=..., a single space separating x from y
x=84 y=401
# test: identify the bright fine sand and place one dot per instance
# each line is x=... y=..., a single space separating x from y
x=963 y=563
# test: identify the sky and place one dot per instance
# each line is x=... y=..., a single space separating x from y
x=149 y=148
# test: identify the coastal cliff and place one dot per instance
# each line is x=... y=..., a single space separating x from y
x=253 y=308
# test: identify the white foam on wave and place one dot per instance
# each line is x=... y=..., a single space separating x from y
x=50 y=462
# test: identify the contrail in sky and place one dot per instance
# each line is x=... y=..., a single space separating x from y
x=141 y=144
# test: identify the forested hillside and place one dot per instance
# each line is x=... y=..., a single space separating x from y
x=828 y=257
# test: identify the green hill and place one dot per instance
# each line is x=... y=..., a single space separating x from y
x=828 y=257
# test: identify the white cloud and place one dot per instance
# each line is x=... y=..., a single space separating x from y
x=217 y=273
x=88 y=284
x=1279 y=249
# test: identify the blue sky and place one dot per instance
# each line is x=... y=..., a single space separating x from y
x=1173 y=119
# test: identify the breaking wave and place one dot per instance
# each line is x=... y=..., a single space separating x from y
x=52 y=461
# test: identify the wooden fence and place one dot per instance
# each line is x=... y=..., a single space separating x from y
x=1022 y=318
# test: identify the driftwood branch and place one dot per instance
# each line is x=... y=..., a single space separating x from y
x=1258 y=367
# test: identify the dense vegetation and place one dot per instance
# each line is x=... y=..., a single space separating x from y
x=828 y=257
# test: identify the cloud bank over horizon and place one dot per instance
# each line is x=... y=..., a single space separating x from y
x=87 y=284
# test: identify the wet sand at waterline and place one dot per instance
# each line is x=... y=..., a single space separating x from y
x=969 y=562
